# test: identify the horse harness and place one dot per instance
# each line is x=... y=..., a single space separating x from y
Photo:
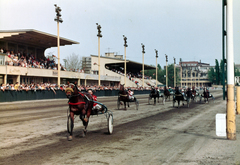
x=122 y=95
x=82 y=102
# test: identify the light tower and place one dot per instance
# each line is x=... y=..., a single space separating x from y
x=58 y=19
x=143 y=51
x=156 y=67
x=99 y=36
x=125 y=64
x=166 y=70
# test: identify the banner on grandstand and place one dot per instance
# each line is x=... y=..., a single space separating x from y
x=54 y=73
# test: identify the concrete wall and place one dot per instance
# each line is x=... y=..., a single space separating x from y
x=16 y=72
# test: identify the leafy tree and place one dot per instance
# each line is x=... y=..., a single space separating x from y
x=217 y=72
x=211 y=76
x=74 y=62
x=221 y=76
x=162 y=74
x=236 y=71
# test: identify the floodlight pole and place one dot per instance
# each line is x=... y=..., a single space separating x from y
x=125 y=63
x=58 y=43
x=174 y=73
x=99 y=36
x=166 y=70
x=181 y=72
x=58 y=19
x=143 y=51
x=156 y=67
x=231 y=115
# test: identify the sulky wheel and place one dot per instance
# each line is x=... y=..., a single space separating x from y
x=69 y=123
x=110 y=123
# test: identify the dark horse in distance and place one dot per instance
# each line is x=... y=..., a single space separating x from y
x=79 y=104
x=153 y=94
x=205 y=95
x=166 y=93
x=124 y=97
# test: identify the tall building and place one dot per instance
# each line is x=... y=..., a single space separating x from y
x=194 y=73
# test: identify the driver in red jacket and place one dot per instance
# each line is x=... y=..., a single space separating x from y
x=95 y=105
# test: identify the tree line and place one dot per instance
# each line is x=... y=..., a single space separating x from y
x=161 y=75
x=215 y=75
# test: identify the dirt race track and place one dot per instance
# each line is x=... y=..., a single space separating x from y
x=36 y=133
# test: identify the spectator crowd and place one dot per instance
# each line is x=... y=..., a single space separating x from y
x=130 y=75
x=48 y=86
x=30 y=61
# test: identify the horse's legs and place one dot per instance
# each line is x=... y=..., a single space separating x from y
x=72 y=125
x=124 y=104
x=88 y=110
x=154 y=100
x=158 y=99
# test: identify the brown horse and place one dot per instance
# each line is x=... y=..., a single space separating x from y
x=166 y=93
x=154 y=94
x=206 y=95
x=123 y=96
x=194 y=93
x=79 y=104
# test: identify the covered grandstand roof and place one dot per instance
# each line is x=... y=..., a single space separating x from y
x=33 y=38
x=131 y=65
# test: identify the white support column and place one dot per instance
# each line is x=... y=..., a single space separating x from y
x=231 y=116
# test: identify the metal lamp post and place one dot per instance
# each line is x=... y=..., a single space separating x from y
x=125 y=64
x=180 y=73
x=99 y=36
x=143 y=51
x=166 y=70
x=58 y=19
x=174 y=73
x=156 y=67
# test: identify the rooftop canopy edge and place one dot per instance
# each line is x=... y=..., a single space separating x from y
x=131 y=65
x=34 y=38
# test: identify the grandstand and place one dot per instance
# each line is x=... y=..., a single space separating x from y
x=22 y=60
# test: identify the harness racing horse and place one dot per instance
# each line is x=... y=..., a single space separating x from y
x=188 y=94
x=182 y=97
x=79 y=104
x=153 y=94
x=124 y=97
x=166 y=93
x=178 y=97
x=205 y=95
x=195 y=94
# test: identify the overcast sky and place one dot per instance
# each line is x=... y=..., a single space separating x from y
x=187 y=29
